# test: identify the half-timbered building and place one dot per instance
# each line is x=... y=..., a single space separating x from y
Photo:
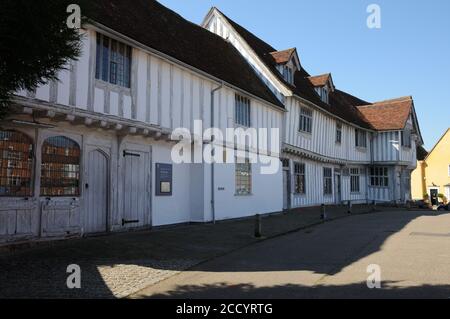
x=336 y=147
x=92 y=152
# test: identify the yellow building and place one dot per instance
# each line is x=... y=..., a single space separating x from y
x=432 y=175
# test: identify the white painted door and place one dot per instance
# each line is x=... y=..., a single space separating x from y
x=136 y=196
x=447 y=193
x=337 y=189
x=96 y=193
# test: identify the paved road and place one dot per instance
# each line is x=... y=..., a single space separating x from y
x=330 y=260
x=121 y=264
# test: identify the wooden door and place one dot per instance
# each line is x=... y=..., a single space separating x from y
x=136 y=197
x=96 y=193
x=338 y=188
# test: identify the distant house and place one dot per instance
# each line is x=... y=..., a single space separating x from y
x=432 y=176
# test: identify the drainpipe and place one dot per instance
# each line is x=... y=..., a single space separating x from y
x=213 y=206
x=372 y=157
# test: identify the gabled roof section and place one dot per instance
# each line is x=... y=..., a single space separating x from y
x=447 y=132
x=388 y=115
x=322 y=80
x=302 y=86
x=262 y=49
x=319 y=80
x=157 y=27
x=283 y=57
x=371 y=116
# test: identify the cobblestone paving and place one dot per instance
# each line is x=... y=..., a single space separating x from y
x=99 y=278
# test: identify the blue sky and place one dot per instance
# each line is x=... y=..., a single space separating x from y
x=409 y=55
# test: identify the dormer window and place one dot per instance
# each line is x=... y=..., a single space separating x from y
x=288 y=74
x=287 y=63
x=323 y=84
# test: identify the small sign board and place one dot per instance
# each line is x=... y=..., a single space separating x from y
x=164 y=177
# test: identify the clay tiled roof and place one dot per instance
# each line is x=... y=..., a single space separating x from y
x=153 y=25
x=282 y=57
x=389 y=114
x=302 y=85
x=319 y=80
x=386 y=115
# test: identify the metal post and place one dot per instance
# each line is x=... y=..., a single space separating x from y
x=323 y=213
x=258 y=222
x=350 y=206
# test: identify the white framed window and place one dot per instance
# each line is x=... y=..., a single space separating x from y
x=299 y=178
x=327 y=181
x=379 y=176
x=16 y=164
x=360 y=138
x=113 y=61
x=406 y=138
x=338 y=133
x=355 y=180
x=244 y=178
x=306 y=120
x=242 y=111
x=60 y=167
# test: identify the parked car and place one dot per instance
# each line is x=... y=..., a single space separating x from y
x=444 y=207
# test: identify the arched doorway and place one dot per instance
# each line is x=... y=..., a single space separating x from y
x=96 y=193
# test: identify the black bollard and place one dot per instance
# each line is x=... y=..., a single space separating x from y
x=258 y=222
x=323 y=213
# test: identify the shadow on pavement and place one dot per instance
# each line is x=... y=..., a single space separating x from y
x=389 y=290
x=118 y=265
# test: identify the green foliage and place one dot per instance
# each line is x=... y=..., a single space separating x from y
x=35 y=43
